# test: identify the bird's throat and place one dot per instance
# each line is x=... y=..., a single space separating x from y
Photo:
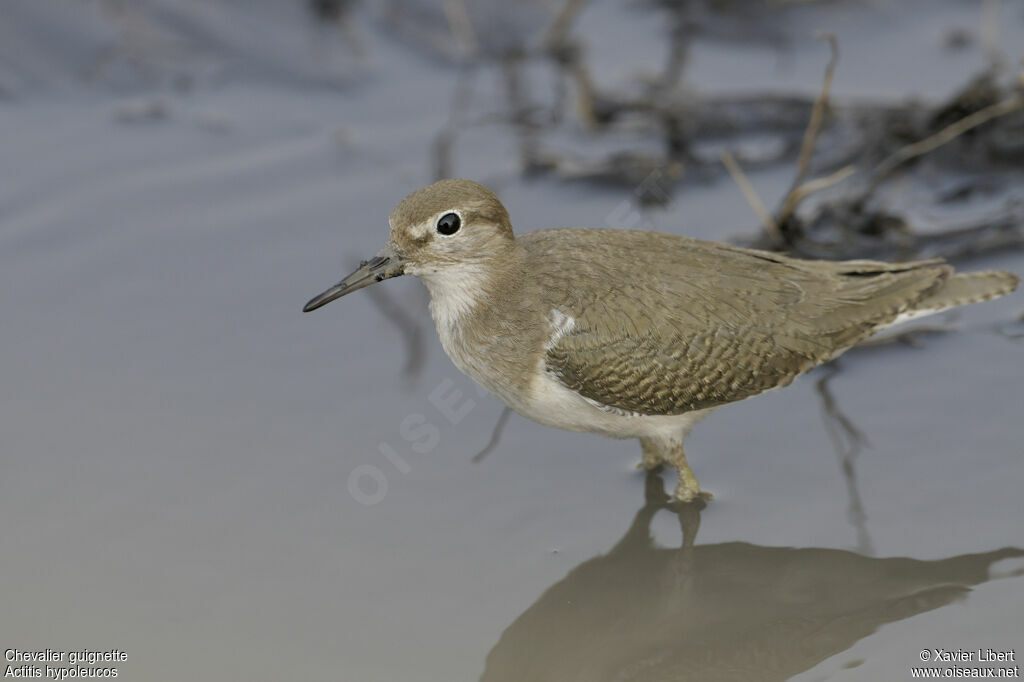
x=456 y=293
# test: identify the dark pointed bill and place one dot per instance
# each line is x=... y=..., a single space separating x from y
x=384 y=265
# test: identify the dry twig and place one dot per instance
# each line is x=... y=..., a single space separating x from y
x=944 y=136
x=848 y=441
x=800 y=189
x=563 y=21
x=797 y=194
x=499 y=428
x=750 y=194
x=461 y=27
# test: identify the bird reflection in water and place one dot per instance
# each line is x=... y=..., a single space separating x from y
x=728 y=611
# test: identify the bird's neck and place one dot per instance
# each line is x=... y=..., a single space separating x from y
x=475 y=307
x=456 y=293
x=462 y=292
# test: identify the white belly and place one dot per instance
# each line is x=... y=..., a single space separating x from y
x=550 y=402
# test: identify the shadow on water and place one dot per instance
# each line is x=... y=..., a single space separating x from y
x=729 y=611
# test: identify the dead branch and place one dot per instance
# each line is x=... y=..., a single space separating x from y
x=461 y=27
x=848 y=441
x=563 y=22
x=750 y=194
x=944 y=136
x=499 y=428
x=800 y=189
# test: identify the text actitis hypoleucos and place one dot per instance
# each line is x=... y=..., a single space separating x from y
x=636 y=334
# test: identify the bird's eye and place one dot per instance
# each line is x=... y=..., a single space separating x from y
x=448 y=224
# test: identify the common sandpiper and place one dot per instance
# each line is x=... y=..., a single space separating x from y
x=635 y=334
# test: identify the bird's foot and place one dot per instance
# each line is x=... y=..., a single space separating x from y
x=688 y=490
x=691 y=493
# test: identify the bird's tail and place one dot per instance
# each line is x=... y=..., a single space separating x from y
x=967 y=287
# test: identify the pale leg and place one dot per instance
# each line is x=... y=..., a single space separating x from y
x=652 y=459
x=688 y=490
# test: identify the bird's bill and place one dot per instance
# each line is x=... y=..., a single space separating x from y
x=384 y=265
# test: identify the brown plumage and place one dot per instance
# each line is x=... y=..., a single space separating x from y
x=638 y=334
x=689 y=325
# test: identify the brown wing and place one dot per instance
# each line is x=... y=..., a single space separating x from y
x=665 y=325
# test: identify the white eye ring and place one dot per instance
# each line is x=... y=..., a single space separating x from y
x=448 y=224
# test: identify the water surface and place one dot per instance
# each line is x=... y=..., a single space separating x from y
x=181 y=443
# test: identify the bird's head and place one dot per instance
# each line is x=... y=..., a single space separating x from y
x=440 y=232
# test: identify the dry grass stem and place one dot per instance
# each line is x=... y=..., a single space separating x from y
x=461 y=27
x=946 y=135
x=499 y=428
x=817 y=112
x=584 y=96
x=799 y=190
x=750 y=194
x=563 y=21
x=797 y=194
x=848 y=441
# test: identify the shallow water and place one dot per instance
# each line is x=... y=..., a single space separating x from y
x=188 y=458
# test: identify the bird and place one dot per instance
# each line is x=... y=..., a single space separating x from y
x=637 y=334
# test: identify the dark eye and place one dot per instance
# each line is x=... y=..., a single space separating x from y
x=449 y=223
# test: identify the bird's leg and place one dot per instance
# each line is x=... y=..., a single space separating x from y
x=652 y=459
x=688 y=490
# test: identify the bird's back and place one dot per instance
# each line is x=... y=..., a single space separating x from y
x=663 y=324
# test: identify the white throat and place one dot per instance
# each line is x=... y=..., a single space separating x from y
x=455 y=291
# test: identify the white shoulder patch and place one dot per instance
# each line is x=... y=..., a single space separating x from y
x=561 y=324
